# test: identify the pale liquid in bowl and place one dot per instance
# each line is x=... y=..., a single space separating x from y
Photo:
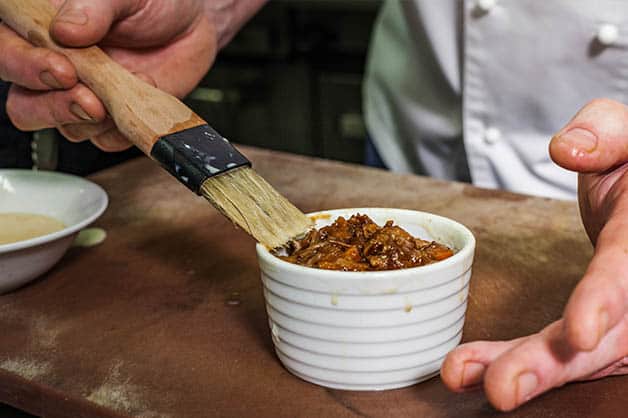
x=16 y=227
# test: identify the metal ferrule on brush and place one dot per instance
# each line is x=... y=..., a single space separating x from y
x=196 y=154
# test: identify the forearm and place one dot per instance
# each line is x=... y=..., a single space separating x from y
x=229 y=16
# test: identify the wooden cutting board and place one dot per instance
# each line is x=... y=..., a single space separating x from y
x=166 y=317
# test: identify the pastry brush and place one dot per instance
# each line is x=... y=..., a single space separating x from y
x=170 y=133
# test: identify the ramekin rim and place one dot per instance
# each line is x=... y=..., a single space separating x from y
x=462 y=254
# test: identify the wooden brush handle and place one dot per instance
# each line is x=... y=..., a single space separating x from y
x=141 y=112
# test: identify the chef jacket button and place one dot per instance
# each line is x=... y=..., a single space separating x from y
x=608 y=34
x=492 y=135
x=485 y=5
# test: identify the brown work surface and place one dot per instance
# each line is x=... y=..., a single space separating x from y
x=148 y=323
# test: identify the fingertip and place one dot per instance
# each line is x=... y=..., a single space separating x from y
x=514 y=378
x=580 y=331
x=500 y=389
x=72 y=133
x=69 y=26
x=599 y=301
x=594 y=140
x=585 y=327
x=80 y=24
x=555 y=150
x=90 y=104
x=575 y=149
x=62 y=70
x=463 y=369
x=451 y=372
x=111 y=141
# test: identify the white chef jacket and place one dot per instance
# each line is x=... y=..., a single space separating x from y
x=474 y=89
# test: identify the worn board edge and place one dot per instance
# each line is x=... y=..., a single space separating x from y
x=42 y=400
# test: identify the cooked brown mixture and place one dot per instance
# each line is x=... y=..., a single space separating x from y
x=359 y=244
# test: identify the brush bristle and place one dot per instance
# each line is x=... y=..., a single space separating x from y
x=250 y=202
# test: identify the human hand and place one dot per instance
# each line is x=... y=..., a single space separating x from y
x=170 y=44
x=591 y=340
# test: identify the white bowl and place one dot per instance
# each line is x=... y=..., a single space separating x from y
x=72 y=200
x=370 y=330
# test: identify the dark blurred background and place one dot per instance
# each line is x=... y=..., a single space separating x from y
x=289 y=81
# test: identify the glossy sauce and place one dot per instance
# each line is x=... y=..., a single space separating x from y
x=359 y=244
x=16 y=227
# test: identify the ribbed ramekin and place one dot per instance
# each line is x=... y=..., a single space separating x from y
x=370 y=330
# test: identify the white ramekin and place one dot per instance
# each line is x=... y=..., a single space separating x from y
x=370 y=330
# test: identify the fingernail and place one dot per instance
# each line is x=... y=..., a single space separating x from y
x=78 y=111
x=48 y=79
x=72 y=16
x=526 y=385
x=472 y=373
x=602 y=324
x=580 y=139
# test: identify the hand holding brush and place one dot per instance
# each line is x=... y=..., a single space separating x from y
x=170 y=133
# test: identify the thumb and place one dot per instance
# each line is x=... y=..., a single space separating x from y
x=595 y=140
x=81 y=23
